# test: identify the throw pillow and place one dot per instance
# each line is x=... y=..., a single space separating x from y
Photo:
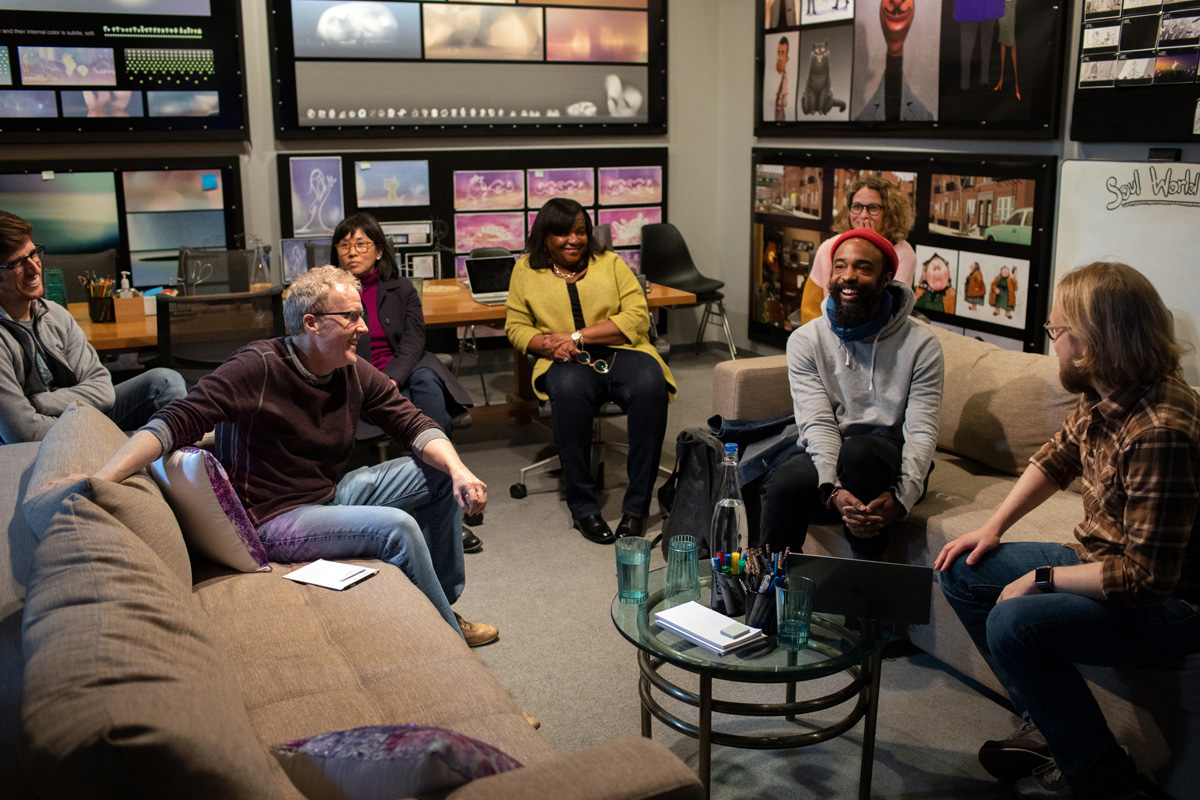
x=208 y=509
x=127 y=691
x=82 y=441
x=387 y=761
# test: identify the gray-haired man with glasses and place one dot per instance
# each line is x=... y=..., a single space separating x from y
x=46 y=362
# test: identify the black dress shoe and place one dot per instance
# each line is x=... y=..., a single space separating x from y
x=471 y=542
x=630 y=526
x=594 y=529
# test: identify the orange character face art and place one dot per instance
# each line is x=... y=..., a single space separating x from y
x=896 y=17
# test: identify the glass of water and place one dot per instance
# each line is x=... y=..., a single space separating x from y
x=633 y=568
x=793 y=612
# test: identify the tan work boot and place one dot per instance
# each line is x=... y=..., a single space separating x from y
x=477 y=633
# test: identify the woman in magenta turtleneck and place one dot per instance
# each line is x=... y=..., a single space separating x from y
x=396 y=340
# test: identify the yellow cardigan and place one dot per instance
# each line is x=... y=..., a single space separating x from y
x=538 y=303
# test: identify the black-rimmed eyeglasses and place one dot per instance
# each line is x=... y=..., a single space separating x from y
x=350 y=316
x=600 y=365
x=1054 y=331
x=872 y=209
x=39 y=250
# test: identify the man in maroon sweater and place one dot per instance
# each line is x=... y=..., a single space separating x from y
x=285 y=413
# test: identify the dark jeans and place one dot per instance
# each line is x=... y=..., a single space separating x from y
x=142 y=395
x=425 y=390
x=791 y=498
x=577 y=391
x=1033 y=643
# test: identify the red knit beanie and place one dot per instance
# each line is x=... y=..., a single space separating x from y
x=885 y=247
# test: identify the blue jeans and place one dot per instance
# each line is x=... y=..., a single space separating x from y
x=1033 y=643
x=424 y=389
x=142 y=395
x=387 y=512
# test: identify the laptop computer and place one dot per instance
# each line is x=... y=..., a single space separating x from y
x=488 y=277
x=899 y=592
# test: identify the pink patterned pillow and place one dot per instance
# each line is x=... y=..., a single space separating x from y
x=383 y=762
x=213 y=520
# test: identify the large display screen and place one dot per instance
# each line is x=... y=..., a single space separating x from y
x=120 y=70
x=415 y=68
x=145 y=211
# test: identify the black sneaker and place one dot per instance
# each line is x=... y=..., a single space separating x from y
x=1017 y=756
x=471 y=542
x=1103 y=781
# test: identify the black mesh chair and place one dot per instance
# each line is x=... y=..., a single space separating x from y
x=666 y=260
x=318 y=252
x=197 y=333
x=205 y=270
x=468 y=343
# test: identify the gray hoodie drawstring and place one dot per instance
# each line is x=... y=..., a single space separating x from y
x=871 y=383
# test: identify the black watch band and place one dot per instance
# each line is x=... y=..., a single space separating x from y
x=1043 y=578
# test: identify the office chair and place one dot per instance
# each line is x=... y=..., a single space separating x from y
x=468 y=341
x=666 y=260
x=197 y=333
x=215 y=270
x=318 y=252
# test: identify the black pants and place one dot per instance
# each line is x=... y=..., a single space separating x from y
x=577 y=391
x=791 y=498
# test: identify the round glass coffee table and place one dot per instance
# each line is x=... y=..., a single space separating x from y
x=835 y=644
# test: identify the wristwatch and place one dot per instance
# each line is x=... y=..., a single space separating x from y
x=1043 y=578
x=577 y=339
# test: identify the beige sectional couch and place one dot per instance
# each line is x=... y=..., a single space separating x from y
x=143 y=672
x=998 y=408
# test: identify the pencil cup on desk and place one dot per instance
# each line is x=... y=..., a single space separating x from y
x=100 y=309
x=683 y=571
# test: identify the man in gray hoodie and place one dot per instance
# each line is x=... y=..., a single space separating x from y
x=46 y=362
x=866 y=386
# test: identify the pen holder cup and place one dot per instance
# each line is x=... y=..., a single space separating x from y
x=728 y=596
x=683 y=571
x=760 y=612
x=100 y=309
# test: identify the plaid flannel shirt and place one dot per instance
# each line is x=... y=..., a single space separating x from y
x=1138 y=453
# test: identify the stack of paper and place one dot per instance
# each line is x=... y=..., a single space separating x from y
x=707 y=628
x=331 y=574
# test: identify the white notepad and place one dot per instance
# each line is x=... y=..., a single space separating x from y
x=331 y=574
x=701 y=625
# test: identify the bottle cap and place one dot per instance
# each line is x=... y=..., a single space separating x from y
x=731 y=448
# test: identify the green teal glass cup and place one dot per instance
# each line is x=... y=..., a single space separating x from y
x=633 y=568
x=683 y=571
x=793 y=612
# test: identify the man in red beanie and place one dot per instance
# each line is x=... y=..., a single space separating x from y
x=866 y=386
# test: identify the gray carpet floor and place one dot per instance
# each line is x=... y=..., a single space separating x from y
x=562 y=660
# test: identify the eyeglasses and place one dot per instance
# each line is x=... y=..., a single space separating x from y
x=351 y=316
x=359 y=247
x=600 y=365
x=1054 y=331
x=39 y=250
x=873 y=209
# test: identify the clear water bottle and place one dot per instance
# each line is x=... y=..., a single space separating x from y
x=728 y=531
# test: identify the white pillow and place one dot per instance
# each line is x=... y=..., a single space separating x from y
x=383 y=762
x=212 y=518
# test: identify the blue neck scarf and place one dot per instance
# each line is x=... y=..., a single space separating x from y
x=868 y=328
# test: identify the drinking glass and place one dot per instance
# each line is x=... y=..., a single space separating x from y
x=633 y=568
x=793 y=612
x=683 y=571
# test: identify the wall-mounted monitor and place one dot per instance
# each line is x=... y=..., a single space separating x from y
x=464 y=68
x=144 y=210
x=121 y=70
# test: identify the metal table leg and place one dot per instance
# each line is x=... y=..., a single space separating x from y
x=705 y=730
x=875 y=663
x=645 y=687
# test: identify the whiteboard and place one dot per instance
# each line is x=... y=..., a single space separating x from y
x=1146 y=215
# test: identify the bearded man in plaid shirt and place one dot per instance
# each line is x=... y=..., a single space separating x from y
x=1126 y=591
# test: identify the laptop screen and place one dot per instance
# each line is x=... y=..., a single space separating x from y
x=487 y=275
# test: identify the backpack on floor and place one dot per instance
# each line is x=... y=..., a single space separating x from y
x=688 y=497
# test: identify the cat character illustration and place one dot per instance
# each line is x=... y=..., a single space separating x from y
x=818 y=95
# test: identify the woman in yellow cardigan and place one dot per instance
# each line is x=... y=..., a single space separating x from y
x=583 y=313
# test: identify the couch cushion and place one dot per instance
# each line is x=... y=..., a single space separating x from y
x=999 y=406
x=82 y=441
x=375 y=654
x=383 y=762
x=124 y=685
x=214 y=522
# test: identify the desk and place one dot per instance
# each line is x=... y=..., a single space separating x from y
x=442 y=310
